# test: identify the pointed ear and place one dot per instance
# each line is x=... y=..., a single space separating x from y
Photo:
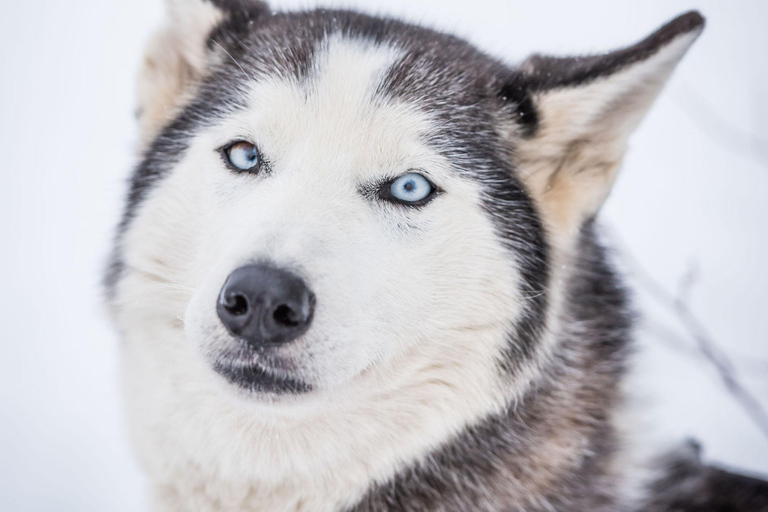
x=576 y=114
x=181 y=53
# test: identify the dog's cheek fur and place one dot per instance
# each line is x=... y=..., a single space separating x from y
x=184 y=420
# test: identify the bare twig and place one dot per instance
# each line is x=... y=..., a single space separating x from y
x=698 y=333
x=688 y=281
x=671 y=339
x=682 y=345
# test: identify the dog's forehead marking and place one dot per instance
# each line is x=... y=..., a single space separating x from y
x=350 y=68
x=335 y=117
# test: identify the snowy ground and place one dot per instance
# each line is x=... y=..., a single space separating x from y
x=691 y=201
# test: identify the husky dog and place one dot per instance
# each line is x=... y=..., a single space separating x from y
x=358 y=271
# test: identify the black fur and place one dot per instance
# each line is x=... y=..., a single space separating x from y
x=516 y=91
x=690 y=486
x=544 y=72
x=254 y=378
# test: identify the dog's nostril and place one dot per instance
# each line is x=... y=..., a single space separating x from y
x=236 y=304
x=284 y=315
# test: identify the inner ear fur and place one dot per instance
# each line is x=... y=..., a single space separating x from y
x=576 y=113
x=180 y=54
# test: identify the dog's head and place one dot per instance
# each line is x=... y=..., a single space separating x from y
x=333 y=203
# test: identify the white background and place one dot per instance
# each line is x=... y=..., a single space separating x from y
x=692 y=194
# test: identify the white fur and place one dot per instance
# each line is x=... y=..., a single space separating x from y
x=385 y=392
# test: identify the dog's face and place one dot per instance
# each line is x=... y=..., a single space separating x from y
x=321 y=199
x=326 y=199
x=330 y=204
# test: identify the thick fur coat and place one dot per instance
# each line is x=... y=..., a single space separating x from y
x=460 y=352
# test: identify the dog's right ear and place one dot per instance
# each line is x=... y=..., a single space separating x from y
x=576 y=114
x=181 y=53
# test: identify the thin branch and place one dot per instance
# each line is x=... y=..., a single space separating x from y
x=688 y=281
x=696 y=330
x=682 y=345
x=671 y=339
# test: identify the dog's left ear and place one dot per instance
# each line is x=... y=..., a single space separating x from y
x=575 y=115
x=182 y=52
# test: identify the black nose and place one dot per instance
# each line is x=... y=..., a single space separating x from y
x=264 y=305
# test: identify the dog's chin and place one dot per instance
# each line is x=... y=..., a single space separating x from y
x=263 y=373
x=267 y=373
x=259 y=381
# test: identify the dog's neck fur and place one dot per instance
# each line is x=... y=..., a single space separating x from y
x=555 y=448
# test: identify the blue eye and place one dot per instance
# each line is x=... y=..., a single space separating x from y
x=243 y=156
x=411 y=188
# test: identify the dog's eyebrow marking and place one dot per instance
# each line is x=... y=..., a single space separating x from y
x=233 y=59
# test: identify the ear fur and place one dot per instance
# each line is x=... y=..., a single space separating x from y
x=179 y=55
x=577 y=114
